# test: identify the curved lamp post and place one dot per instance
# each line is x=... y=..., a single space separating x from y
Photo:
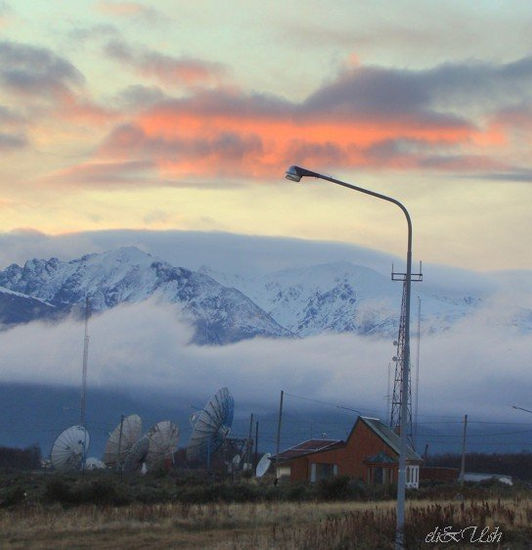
x=295 y=173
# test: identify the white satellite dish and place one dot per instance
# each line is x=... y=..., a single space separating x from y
x=93 y=463
x=136 y=457
x=70 y=449
x=211 y=426
x=236 y=460
x=163 y=438
x=122 y=439
x=263 y=465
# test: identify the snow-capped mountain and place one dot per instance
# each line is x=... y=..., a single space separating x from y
x=343 y=297
x=16 y=307
x=332 y=297
x=220 y=314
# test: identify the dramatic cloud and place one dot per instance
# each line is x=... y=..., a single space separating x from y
x=45 y=84
x=468 y=117
x=370 y=117
x=169 y=70
x=31 y=70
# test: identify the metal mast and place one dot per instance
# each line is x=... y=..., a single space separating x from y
x=84 y=370
x=397 y=397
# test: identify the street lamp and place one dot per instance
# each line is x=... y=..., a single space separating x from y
x=295 y=173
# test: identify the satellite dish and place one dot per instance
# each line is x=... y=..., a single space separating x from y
x=70 y=448
x=93 y=463
x=136 y=457
x=163 y=438
x=122 y=439
x=211 y=426
x=263 y=465
x=236 y=460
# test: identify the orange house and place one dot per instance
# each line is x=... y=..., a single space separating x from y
x=370 y=454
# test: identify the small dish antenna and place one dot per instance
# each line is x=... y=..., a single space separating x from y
x=93 y=463
x=122 y=439
x=263 y=465
x=163 y=438
x=70 y=448
x=211 y=426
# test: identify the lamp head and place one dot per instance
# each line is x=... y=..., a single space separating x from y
x=293 y=173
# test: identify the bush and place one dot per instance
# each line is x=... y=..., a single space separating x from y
x=95 y=492
x=15 y=495
x=336 y=488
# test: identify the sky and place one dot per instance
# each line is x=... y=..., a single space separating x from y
x=172 y=115
x=169 y=125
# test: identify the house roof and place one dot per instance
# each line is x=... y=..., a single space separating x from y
x=319 y=445
x=388 y=436
x=308 y=447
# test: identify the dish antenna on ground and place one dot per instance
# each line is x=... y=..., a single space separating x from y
x=163 y=438
x=122 y=439
x=263 y=465
x=70 y=449
x=135 y=460
x=211 y=426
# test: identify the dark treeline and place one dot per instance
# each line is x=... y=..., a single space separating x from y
x=20 y=459
x=517 y=465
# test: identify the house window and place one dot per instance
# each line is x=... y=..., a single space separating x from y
x=322 y=471
x=412 y=477
x=284 y=471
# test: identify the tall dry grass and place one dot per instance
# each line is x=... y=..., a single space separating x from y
x=257 y=526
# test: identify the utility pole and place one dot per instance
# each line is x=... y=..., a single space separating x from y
x=250 y=442
x=462 y=468
x=416 y=404
x=83 y=402
x=120 y=461
x=278 y=448
x=256 y=445
x=84 y=368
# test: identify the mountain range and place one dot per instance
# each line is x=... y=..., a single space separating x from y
x=223 y=308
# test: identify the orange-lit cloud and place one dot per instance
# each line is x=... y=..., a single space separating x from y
x=369 y=117
x=226 y=134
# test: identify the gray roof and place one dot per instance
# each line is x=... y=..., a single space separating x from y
x=389 y=437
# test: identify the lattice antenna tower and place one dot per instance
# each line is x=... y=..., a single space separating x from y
x=397 y=397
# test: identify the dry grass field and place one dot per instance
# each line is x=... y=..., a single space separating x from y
x=258 y=526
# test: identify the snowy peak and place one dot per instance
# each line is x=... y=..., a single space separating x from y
x=346 y=297
x=220 y=314
x=332 y=297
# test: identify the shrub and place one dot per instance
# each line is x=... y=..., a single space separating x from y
x=95 y=492
x=13 y=496
x=336 y=488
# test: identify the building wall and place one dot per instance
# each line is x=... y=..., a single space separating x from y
x=362 y=443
